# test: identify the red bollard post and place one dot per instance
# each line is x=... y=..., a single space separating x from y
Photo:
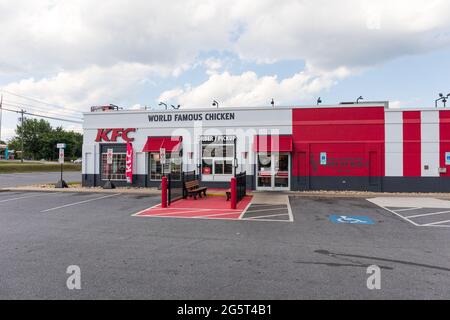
x=164 y=192
x=233 y=193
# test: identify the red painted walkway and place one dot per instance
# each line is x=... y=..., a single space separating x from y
x=212 y=207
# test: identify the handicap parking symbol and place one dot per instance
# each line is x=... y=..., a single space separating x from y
x=351 y=219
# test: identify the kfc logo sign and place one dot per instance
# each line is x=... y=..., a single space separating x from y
x=129 y=163
x=111 y=135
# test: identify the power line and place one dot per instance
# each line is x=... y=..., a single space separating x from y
x=35 y=109
x=22 y=112
x=54 y=118
x=43 y=110
x=42 y=107
x=36 y=100
x=41 y=116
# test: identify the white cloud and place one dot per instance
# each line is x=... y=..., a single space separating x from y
x=329 y=34
x=48 y=35
x=44 y=35
x=247 y=89
x=213 y=65
x=7 y=133
x=84 y=52
x=81 y=89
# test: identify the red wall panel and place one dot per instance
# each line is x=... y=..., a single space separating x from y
x=411 y=144
x=346 y=134
x=444 y=136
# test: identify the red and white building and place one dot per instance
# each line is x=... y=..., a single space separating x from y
x=365 y=146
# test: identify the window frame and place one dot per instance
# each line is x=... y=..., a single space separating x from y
x=167 y=166
x=104 y=166
x=223 y=158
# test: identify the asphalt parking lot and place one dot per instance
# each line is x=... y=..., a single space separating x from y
x=124 y=257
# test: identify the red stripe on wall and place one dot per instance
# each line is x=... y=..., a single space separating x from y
x=444 y=139
x=411 y=144
x=349 y=136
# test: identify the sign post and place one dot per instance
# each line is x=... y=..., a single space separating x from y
x=109 y=162
x=61 y=183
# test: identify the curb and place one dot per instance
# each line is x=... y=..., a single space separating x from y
x=216 y=194
x=367 y=195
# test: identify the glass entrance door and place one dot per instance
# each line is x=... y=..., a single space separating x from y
x=273 y=171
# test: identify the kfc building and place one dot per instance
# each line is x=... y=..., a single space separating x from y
x=364 y=146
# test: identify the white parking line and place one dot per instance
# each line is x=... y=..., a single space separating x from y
x=401 y=210
x=170 y=213
x=217 y=214
x=426 y=214
x=440 y=225
x=291 y=216
x=198 y=209
x=279 y=209
x=407 y=218
x=80 y=202
x=245 y=210
x=435 y=223
x=272 y=215
x=26 y=197
x=398 y=215
x=267 y=220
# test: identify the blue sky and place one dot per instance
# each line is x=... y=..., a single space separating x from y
x=411 y=81
x=67 y=56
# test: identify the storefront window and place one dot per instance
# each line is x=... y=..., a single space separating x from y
x=207 y=166
x=218 y=153
x=115 y=171
x=173 y=166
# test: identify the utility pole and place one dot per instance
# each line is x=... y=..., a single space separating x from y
x=21 y=136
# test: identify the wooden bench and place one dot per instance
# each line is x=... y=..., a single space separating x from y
x=193 y=189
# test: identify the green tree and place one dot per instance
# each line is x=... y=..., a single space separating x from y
x=32 y=131
x=40 y=140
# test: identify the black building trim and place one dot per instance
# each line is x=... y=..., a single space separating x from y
x=377 y=184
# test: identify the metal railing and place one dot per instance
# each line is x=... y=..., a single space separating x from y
x=241 y=185
x=175 y=189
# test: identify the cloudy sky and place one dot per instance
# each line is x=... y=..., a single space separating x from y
x=57 y=58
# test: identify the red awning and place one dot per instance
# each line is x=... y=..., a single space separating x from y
x=282 y=143
x=171 y=144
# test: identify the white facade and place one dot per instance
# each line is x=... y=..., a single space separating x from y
x=243 y=123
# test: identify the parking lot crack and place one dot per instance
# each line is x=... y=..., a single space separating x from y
x=332 y=264
x=409 y=263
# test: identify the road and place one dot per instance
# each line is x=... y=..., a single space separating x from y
x=21 y=179
x=128 y=257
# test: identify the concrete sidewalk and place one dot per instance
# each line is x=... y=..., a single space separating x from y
x=273 y=197
x=270 y=198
